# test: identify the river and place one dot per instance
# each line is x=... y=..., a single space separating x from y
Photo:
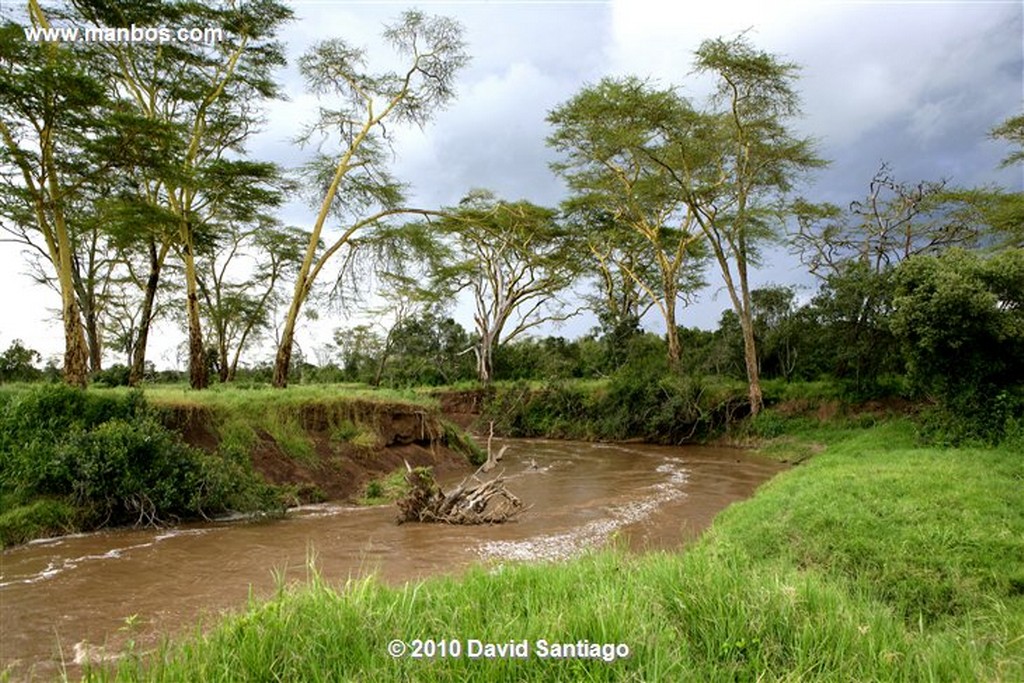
x=100 y=589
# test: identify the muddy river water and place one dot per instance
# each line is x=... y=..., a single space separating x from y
x=75 y=593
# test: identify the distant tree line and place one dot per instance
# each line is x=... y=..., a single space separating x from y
x=124 y=175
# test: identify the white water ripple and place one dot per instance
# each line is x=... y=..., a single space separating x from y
x=552 y=547
x=55 y=568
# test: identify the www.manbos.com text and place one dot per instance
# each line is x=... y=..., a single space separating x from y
x=124 y=34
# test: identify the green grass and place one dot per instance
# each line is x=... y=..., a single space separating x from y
x=879 y=560
x=236 y=396
x=386 y=489
x=39 y=518
x=932 y=532
x=239 y=414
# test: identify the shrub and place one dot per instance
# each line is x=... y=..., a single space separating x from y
x=43 y=517
x=114 y=376
x=109 y=457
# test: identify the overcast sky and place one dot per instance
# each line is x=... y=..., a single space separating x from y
x=914 y=84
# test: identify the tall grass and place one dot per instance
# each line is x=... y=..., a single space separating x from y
x=878 y=561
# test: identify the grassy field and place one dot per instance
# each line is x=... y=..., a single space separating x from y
x=879 y=559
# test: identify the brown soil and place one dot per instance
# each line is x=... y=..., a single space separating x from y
x=462 y=407
x=340 y=470
x=828 y=410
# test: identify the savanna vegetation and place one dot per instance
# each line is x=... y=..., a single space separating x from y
x=894 y=553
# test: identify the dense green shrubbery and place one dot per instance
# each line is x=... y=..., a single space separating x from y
x=110 y=460
x=641 y=400
x=959 y=318
x=115 y=376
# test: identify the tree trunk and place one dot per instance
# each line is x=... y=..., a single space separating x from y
x=76 y=369
x=198 y=376
x=485 y=359
x=95 y=341
x=222 y=362
x=753 y=371
x=138 y=370
x=283 y=359
x=675 y=352
x=76 y=352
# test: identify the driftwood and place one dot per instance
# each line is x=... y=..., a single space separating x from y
x=492 y=459
x=479 y=502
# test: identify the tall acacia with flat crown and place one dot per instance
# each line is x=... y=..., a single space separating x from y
x=513 y=258
x=633 y=218
x=352 y=185
x=757 y=159
x=50 y=112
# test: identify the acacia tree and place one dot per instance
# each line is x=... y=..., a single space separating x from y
x=1004 y=211
x=92 y=261
x=619 y=303
x=513 y=258
x=208 y=94
x=237 y=309
x=896 y=220
x=351 y=183
x=144 y=235
x=51 y=109
x=855 y=251
x=612 y=136
x=751 y=161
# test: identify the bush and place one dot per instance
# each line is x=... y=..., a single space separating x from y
x=110 y=458
x=41 y=518
x=114 y=376
x=959 y=318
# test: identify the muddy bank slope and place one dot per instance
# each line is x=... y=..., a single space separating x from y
x=326 y=449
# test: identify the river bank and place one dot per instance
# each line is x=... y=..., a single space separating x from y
x=81 y=460
x=879 y=559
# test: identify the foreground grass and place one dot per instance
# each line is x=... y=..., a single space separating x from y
x=878 y=560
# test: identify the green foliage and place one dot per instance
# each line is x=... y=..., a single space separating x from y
x=114 y=376
x=643 y=399
x=110 y=459
x=345 y=430
x=386 y=489
x=514 y=258
x=852 y=312
x=460 y=442
x=1012 y=130
x=287 y=431
x=960 y=321
x=41 y=518
x=17 y=363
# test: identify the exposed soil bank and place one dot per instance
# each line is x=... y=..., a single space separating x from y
x=463 y=407
x=336 y=467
